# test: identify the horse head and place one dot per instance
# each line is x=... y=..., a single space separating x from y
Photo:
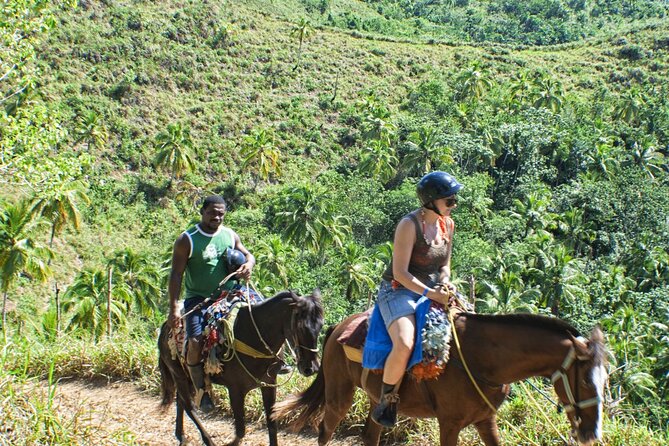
x=305 y=326
x=579 y=383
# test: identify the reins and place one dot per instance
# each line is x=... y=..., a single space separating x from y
x=274 y=355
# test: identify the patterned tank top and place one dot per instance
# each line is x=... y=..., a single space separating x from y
x=206 y=266
x=426 y=259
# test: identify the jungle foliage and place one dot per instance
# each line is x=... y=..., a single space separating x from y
x=315 y=119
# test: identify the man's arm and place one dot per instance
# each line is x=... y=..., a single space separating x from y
x=179 y=259
x=244 y=271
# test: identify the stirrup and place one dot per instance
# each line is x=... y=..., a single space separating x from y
x=203 y=401
x=385 y=413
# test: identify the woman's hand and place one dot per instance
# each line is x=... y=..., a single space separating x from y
x=446 y=292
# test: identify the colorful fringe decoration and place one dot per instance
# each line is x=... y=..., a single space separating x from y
x=436 y=338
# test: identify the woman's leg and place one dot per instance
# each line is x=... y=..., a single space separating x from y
x=402 y=332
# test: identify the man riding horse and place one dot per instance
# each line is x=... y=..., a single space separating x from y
x=206 y=253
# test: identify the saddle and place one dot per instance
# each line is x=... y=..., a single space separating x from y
x=219 y=343
x=434 y=341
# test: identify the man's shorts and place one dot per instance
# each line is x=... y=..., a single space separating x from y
x=195 y=320
x=395 y=303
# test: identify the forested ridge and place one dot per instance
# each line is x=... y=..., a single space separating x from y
x=315 y=118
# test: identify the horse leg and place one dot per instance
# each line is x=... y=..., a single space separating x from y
x=237 y=405
x=188 y=407
x=268 y=400
x=372 y=431
x=338 y=400
x=179 y=425
x=448 y=432
x=488 y=432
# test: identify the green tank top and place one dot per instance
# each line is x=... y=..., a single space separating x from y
x=206 y=265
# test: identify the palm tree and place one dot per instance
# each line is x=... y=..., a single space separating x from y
x=521 y=87
x=473 y=83
x=308 y=219
x=646 y=157
x=91 y=130
x=377 y=124
x=558 y=275
x=628 y=107
x=578 y=233
x=59 y=205
x=506 y=293
x=272 y=255
x=140 y=275
x=356 y=271
x=426 y=151
x=533 y=211
x=379 y=160
x=175 y=150
x=603 y=161
x=20 y=254
x=302 y=30
x=258 y=149
x=548 y=93
x=86 y=301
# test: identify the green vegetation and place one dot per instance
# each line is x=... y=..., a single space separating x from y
x=314 y=119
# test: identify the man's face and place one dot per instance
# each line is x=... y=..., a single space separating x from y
x=212 y=216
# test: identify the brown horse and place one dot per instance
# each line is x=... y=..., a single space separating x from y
x=284 y=317
x=498 y=350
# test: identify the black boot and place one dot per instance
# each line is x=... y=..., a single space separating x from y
x=385 y=413
x=284 y=369
x=202 y=398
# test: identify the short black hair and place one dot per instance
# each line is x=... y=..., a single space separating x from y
x=212 y=199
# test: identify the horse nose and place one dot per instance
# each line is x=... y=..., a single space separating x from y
x=309 y=371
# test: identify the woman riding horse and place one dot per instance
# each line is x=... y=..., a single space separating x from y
x=421 y=266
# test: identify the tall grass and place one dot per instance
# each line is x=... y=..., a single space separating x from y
x=30 y=369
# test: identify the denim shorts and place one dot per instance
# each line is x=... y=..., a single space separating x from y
x=395 y=303
x=195 y=320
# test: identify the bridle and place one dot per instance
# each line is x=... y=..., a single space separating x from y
x=575 y=404
x=295 y=341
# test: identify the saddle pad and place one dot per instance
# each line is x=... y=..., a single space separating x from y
x=356 y=331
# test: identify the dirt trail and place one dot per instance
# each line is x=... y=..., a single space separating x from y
x=121 y=407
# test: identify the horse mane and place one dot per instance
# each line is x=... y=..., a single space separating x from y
x=309 y=309
x=528 y=320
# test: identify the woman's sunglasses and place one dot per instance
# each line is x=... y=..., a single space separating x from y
x=451 y=201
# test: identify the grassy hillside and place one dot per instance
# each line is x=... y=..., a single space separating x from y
x=562 y=150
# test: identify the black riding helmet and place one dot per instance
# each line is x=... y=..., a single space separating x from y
x=234 y=259
x=436 y=185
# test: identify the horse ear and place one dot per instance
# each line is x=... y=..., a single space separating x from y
x=597 y=335
x=316 y=294
x=581 y=345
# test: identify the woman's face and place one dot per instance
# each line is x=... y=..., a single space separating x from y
x=446 y=204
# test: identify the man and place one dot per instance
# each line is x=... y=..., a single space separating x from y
x=199 y=252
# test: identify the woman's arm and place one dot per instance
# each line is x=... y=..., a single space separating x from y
x=405 y=238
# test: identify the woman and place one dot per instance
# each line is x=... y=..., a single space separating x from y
x=421 y=266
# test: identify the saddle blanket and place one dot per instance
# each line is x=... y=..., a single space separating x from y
x=432 y=341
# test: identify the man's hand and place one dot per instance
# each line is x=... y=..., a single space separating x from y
x=174 y=319
x=244 y=271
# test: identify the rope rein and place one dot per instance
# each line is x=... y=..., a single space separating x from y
x=259 y=382
x=516 y=430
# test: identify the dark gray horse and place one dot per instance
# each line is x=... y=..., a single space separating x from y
x=284 y=317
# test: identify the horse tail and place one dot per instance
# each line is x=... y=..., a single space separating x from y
x=168 y=385
x=309 y=403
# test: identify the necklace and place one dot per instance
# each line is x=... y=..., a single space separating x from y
x=441 y=230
